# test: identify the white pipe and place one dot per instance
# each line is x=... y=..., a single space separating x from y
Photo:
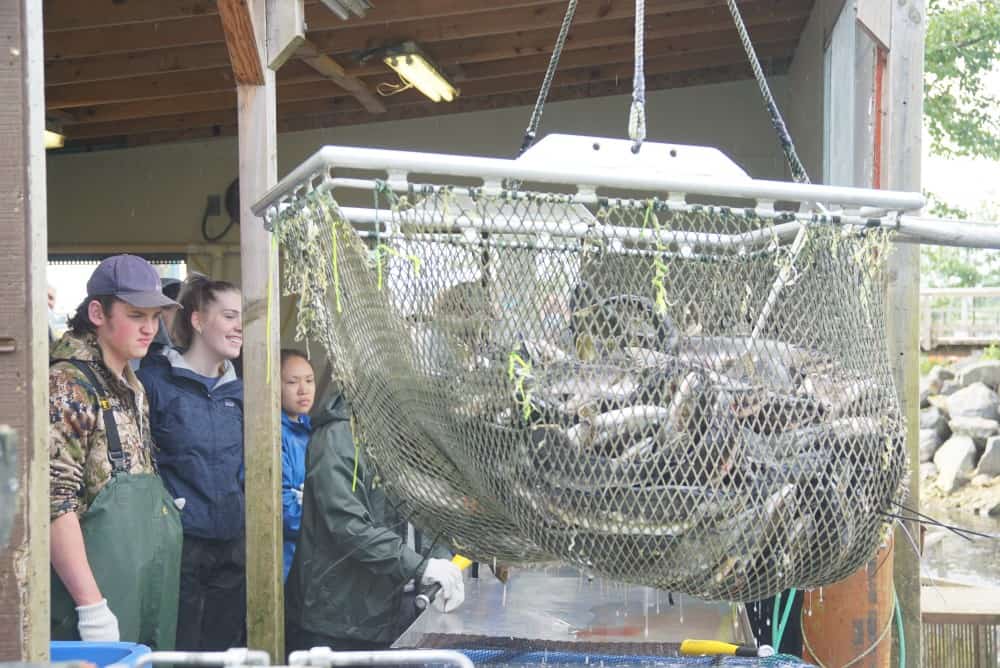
x=327 y=658
x=231 y=657
x=783 y=231
x=493 y=171
x=950 y=232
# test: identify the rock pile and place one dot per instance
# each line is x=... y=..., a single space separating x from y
x=960 y=428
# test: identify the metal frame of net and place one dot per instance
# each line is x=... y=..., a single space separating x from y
x=691 y=396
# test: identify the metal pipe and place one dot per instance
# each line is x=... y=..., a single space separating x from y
x=950 y=232
x=327 y=658
x=494 y=170
x=782 y=231
x=231 y=657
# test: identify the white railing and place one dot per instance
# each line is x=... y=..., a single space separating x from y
x=959 y=317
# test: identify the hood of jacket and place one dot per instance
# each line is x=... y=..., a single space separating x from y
x=332 y=407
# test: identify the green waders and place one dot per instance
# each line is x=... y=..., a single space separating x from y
x=133 y=536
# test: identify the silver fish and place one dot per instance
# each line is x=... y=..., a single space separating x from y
x=598 y=430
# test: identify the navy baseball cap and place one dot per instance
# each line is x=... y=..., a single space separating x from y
x=131 y=279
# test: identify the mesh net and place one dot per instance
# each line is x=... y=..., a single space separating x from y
x=541 y=380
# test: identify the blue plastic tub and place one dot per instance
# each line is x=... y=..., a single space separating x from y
x=101 y=653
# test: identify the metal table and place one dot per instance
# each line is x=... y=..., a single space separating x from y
x=557 y=608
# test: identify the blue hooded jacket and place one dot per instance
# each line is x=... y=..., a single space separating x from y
x=198 y=434
x=294 y=443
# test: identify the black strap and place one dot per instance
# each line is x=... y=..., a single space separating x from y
x=115 y=452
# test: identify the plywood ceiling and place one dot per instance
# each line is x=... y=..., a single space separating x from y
x=135 y=72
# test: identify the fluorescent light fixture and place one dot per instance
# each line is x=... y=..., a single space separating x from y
x=417 y=70
x=54 y=138
x=344 y=8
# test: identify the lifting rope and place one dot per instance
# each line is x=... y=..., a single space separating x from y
x=799 y=174
x=637 y=114
x=550 y=73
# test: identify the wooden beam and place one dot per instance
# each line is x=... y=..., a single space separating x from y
x=142 y=63
x=682 y=14
x=448 y=52
x=313 y=101
x=666 y=37
x=904 y=100
x=74 y=15
x=133 y=38
x=24 y=462
x=245 y=55
x=345 y=111
x=197 y=103
x=62 y=15
x=165 y=86
x=506 y=100
x=488 y=18
x=328 y=67
x=262 y=427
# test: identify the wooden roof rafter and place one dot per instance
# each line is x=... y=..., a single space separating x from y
x=490 y=48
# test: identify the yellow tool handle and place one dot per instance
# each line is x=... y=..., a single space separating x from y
x=425 y=597
x=715 y=648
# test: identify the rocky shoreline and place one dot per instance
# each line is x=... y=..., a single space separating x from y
x=960 y=436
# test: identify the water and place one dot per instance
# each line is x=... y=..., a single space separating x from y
x=950 y=557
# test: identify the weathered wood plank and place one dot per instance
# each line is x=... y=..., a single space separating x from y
x=715 y=29
x=313 y=100
x=403 y=110
x=490 y=19
x=246 y=57
x=177 y=88
x=904 y=103
x=262 y=428
x=328 y=67
x=24 y=560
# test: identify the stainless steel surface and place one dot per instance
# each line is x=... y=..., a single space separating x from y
x=327 y=658
x=558 y=605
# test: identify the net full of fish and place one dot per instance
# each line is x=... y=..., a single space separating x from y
x=608 y=405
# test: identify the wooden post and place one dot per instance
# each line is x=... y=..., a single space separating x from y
x=259 y=266
x=24 y=555
x=905 y=73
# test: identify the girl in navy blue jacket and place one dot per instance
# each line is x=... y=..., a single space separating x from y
x=298 y=391
x=196 y=414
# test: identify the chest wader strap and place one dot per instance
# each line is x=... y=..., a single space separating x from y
x=115 y=452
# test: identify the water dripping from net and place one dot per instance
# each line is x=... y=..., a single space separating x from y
x=645 y=613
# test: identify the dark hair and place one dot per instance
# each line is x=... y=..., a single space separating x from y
x=288 y=353
x=197 y=292
x=81 y=323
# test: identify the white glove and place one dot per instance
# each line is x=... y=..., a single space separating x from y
x=298 y=491
x=449 y=576
x=96 y=623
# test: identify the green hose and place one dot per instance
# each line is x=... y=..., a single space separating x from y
x=775 y=611
x=784 y=618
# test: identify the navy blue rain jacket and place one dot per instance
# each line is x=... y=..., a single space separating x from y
x=199 y=443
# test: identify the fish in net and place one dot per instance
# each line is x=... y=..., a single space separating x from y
x=544 y=379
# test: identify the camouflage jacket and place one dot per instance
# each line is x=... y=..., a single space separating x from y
x=78 y=444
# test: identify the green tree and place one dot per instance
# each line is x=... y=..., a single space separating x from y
x=963 y=119
x=962 y=50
